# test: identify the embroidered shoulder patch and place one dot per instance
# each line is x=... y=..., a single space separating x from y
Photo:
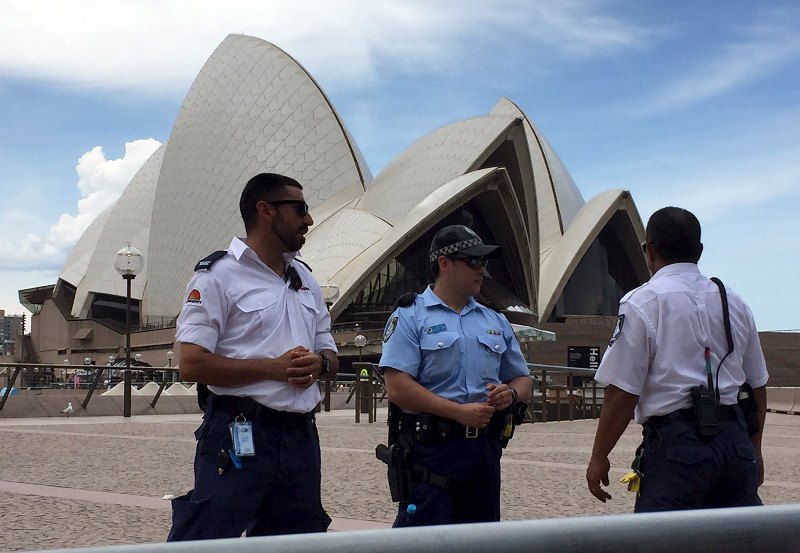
x=194 y=297
x=390 y=328
x=617 y=330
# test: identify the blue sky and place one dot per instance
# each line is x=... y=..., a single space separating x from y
x=695 y=104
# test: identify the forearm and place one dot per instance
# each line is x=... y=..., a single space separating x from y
x=760 y=396
x=406 y=393
x=615 y=416
x=200 y=365
x=523 y=385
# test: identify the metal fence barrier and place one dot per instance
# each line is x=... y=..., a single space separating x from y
x=772 y=529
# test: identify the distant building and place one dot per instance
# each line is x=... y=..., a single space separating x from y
x=11 y=327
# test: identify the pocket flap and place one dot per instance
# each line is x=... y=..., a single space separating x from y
x=493 y=343
x=688 y=454
x=440 y=340
x=256 y=301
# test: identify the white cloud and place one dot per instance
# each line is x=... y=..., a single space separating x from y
x=103 y=43
x=100 y=183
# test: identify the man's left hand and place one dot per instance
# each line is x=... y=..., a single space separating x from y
x=500 y=396
x=305 y=369
x=597 y=473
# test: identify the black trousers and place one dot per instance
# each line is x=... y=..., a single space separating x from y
x=472 y=466
x=684 y=471
x=275 y=492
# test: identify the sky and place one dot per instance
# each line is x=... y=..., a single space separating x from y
x=693 y=104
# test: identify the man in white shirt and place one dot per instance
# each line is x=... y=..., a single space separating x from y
x=255 y=329
x=670 y=338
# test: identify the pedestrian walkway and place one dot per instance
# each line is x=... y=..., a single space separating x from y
x=101 y=480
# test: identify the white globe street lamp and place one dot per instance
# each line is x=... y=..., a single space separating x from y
x=128 y=262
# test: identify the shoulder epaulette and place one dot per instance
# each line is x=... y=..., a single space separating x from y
x=405 y=300
x=206 y=263
x=303 y=263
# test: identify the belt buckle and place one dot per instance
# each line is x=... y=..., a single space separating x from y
x=470 y=432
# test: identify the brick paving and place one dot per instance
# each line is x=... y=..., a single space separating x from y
x=100 y=480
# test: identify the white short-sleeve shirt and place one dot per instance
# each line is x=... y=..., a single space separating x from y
x=240 y=308
x=657 y=350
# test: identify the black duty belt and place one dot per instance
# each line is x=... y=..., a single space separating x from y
x=724 y=413
x=256 y=412
x=438 y=428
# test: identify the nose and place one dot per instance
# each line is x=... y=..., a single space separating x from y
x=307 y=219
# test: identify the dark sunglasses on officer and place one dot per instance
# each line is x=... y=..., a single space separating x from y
x=300 y=205
x=471 y=262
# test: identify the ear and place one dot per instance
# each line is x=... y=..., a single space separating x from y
x=263 y=209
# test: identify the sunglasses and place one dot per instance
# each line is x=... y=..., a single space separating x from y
x=300 y=205
x=472 y=262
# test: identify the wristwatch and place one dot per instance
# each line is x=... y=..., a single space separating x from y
x=514 y=395
x=326 y=365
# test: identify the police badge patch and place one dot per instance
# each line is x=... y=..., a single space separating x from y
x=389 y=330
x=617 y=330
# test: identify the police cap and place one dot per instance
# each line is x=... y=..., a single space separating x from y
x=460 y=239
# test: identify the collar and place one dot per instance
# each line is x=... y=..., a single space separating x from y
x=676 y=269
x=238 y=248
x=430 y=299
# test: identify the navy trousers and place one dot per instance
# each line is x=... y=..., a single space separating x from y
x=684 y=471
x=275 y=492
x=473 y=466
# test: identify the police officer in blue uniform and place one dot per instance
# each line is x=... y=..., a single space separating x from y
x=255 y=329
x=455 y=368
x=682 y=348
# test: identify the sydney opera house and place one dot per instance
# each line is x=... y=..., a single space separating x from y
x=252 y=108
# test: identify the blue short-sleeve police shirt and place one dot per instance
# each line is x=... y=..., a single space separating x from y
x=454 y=355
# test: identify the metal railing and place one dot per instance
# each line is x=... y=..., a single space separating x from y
x=770 y=529
x=13 y=370
x=577 y=396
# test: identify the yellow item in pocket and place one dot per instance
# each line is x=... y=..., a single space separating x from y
x=632 y=480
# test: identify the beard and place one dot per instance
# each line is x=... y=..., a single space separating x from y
x=291 y=237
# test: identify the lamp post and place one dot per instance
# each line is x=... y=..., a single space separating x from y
x=170 y=355
x=360 y=341
x=128 y=262
x=330 y=291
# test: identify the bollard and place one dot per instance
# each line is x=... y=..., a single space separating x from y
x=364 y=391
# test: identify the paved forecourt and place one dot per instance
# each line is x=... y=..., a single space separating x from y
x=100 y=480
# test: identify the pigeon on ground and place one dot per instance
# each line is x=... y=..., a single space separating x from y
x=68 y=409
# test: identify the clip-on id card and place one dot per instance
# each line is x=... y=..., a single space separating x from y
x=242 y=437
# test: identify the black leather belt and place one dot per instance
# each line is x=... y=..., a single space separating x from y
x=256 y=412
x=433 y=427
x=724 y=413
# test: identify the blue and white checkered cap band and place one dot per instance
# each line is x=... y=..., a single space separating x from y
x=453 y=248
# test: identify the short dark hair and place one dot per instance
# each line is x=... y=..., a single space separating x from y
x=675 y=233
x=262 y=187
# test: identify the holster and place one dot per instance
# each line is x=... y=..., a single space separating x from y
x=396 y=458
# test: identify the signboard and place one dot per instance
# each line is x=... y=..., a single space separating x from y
x=583 y=357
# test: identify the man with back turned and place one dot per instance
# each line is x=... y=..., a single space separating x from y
x=676 y=366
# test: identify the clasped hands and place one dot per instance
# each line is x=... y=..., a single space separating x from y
x=303 y=366
x=478 y=415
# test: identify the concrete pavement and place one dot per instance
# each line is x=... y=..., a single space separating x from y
x=100 y=480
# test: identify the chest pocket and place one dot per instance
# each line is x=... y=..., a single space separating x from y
x=258 y=309
x=490 y=350
x=439 y=356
